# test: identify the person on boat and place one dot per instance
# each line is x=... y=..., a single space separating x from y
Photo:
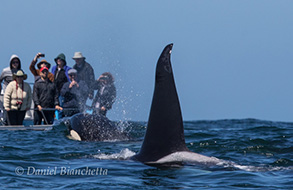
x=106 y=94
x=42 y=63
x=75 y=93
x=17 y=98
x=6 y=75
x=6 y=78
x=60 y=71
x=45 y=97
x=85 y=72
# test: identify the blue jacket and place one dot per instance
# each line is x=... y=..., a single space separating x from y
x=66 y=68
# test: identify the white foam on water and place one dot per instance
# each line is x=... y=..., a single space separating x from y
x=191 y=158
x=124 y=154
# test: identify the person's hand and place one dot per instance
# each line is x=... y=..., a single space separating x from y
x=40 y=108
x=37 y=56
x=72 y=84
x=103 y=108
x=7 y=109
x=58 y=108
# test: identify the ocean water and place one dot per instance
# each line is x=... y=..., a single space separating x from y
x=261 y=150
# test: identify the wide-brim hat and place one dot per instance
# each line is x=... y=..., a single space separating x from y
x=48 y=65
x=78 y=55
x=19 y=73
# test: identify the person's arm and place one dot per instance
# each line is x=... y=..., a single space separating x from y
x=51 y=76
x=65 y=89
x=7 y=97
x=35 y=95
x=29 y=101
x=56 y=100
x=66 y=72
x=1 y=79
x=33 y=63
x=32 y=68
x=91 y=83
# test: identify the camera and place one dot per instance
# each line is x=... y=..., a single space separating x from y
x=42 y=55
x=18 y=105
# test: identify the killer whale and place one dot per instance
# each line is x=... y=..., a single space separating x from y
x=93 y=127
x=164 y=140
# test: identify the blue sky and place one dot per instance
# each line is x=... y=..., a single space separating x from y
x=231 y=59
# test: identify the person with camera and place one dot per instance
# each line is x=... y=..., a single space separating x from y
x=42 y=63
x=17 y=98
x=106 y=94
x=75 y=93
x=45 y=96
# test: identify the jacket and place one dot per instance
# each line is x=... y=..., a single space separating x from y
x=12 y=96
x=86 y=73
x=36 y=72
x=105 y=96
x=66 y=68
x=60 y=77
x=74 y=97
x=45 y=93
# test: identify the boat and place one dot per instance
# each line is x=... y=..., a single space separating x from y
x=26 y=127
x=27 y=121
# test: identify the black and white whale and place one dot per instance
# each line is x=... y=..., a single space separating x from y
x=94 y=127
x=164 y=141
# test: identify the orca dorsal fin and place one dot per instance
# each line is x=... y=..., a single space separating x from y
x=165 y=133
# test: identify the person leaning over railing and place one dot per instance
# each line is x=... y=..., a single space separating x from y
x=45 y=96
x=17 y=98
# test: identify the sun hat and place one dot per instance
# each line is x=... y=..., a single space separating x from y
x=78 y=55
x=44 y=68
x=48 y=65
x=72 y=71
x=19 y=73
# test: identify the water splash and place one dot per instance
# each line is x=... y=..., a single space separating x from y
x=124 y=154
